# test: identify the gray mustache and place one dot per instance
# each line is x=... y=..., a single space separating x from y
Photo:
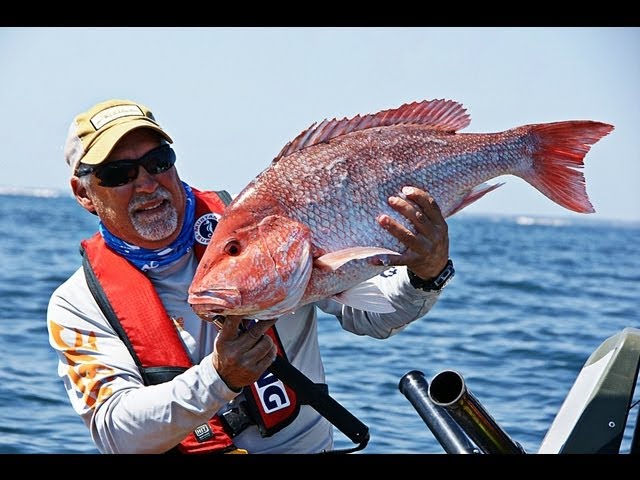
x=145 y=198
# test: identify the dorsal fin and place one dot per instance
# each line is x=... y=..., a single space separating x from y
x=444 y=115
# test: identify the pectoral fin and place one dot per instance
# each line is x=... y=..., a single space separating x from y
x=334 y=260
x=365 y=296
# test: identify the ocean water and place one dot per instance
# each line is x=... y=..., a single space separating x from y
x=531 y=300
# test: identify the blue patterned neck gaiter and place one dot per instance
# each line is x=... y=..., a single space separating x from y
x=146 y=259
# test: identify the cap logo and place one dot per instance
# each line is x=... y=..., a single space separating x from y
x=110 y=114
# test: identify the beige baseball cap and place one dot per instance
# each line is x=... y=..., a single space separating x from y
x=93 y=134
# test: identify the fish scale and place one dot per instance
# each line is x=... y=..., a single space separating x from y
x=305 y=228
x=369 y=195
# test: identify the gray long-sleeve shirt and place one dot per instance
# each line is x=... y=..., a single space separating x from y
x=125 y=416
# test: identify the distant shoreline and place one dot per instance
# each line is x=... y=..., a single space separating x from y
x=33 y=192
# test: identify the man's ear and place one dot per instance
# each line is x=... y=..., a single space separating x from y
x=82 y=195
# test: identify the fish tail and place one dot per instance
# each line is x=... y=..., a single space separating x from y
x=560 y=152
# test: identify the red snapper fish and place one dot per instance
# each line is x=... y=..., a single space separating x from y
x=305 y=228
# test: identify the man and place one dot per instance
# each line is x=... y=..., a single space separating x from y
x=144 y=372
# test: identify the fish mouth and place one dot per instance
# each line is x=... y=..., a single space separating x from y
x=211 y=303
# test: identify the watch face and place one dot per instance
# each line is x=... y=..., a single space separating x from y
x=445 y=276
x=437 y=283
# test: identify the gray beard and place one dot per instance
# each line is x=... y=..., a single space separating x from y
x=159 y=228
x=162 y=224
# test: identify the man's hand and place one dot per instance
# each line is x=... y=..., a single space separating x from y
x=240 y=357
x=428 y=250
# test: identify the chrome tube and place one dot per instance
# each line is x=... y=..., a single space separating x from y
x=414 y=386
x=448 y=390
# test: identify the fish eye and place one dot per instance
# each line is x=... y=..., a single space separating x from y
x=232 y=248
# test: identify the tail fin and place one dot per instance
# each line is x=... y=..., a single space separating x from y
x=561 y=148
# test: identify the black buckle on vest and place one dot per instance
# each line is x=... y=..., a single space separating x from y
x=236 y=420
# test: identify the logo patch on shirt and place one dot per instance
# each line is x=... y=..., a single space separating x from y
x=203 y=227
x=203 y=433
x=389 y=273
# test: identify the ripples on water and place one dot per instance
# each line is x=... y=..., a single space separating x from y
x=530 y=301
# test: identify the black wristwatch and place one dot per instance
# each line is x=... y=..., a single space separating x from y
x=435 y=284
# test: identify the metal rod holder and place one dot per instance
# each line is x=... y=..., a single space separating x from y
x=414 y=386
x=448 y=390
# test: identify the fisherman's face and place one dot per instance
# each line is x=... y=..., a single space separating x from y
x=148 y=211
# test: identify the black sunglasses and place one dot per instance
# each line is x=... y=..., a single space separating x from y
x=121 y=172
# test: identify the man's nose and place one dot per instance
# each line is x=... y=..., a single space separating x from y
x=145 y=182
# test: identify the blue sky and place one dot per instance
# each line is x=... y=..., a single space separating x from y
x=232 y=97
